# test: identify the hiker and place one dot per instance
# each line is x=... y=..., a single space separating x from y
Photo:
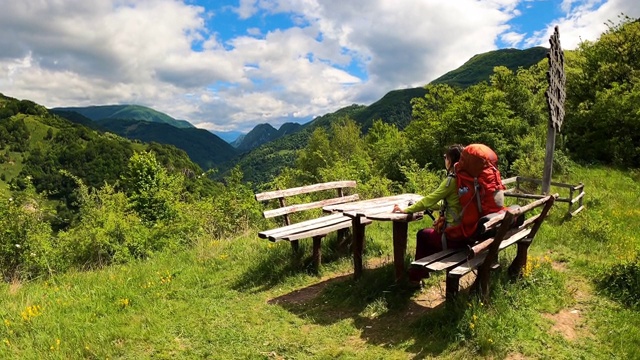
x=444 y=198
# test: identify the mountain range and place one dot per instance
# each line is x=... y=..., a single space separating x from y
x=263 y=151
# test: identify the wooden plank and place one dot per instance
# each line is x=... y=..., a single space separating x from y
x=374 y=203
x=468 y=266
x=577 y=198
x=577 y=210
x=391 y=216
x=434 y=257
x=492 y=222
x=514 y=238
x=448 y=262
x=524 y=196
x=509 y=180
x=304 y=225
x=313 y=205
x=472 y=264
x=538 y=181
x=533 y=205
x=321 y=231
x=304 y=189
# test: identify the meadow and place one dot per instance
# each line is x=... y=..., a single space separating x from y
x=247 y=298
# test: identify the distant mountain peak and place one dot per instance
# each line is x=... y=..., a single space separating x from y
x=126 y=112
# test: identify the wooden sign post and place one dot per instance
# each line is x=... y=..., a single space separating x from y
x=555 y=95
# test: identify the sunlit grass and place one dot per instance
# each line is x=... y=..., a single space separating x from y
x=249 y=298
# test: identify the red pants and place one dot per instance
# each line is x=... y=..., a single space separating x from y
x=429 y=242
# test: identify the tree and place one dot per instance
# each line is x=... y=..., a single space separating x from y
x=603 y=107
x=152 y=192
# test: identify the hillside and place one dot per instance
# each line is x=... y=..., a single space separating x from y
x=480 y=66
x=136 y=112
x=203 y=147
x=37 y=144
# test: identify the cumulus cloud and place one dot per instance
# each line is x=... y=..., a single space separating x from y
x=169 y=55
x=584 y=20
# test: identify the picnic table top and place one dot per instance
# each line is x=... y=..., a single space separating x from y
x=378 y=208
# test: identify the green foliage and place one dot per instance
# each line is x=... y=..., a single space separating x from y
x=108 y=231
x=621 y=281
x=14 y=134
x=152 y=192
x=419 y=180
x=26 y=247
x=387 y=147
x=603 y=101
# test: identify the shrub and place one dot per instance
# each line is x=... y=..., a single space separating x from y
x=108 y=232
x=26 y=249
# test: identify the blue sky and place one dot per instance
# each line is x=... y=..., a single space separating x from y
x=230 y=65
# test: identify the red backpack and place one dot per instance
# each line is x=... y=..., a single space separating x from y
x=480 y=189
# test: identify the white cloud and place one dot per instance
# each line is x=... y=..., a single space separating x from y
x=512 y=38
x=584 y=20
x=141 y=51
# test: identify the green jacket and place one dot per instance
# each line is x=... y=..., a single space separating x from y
x=448 y=190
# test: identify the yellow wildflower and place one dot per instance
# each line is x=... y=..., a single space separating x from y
x=123 y=303
x=30 y=312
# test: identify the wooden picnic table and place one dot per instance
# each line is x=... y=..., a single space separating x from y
x=380 y=209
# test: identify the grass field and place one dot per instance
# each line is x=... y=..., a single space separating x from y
x=246 y=298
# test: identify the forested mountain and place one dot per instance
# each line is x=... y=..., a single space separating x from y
x=480 y=66
x=203 y=147
x=395 y=108
x=264 y=133
x=135 y=112
x=36 y=145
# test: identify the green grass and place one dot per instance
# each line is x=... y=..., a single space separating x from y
x=248 y=298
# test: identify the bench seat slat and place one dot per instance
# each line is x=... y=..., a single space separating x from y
x=466 y=267
x=448 y=262
x=322 y=231
x=434 y=257
x=305 y=225
x=312 y=205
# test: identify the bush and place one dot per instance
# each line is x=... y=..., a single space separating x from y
x=108 y=231
x=26 y=249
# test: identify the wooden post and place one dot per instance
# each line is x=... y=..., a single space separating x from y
x=555 y=96
x=399 y=247
x=548 y=160
x=317 y=254
x=358 y=245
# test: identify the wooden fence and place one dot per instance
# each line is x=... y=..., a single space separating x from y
x=574 y=190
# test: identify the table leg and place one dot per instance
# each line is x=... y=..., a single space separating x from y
x=358 y=245
x=399 y=247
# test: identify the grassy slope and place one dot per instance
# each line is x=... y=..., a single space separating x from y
x=246 y=298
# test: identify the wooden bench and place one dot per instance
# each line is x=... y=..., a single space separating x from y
x=483 y=255
x=314 y=228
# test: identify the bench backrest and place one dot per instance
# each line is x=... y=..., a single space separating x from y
x=506 y=233
x=284 y=209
